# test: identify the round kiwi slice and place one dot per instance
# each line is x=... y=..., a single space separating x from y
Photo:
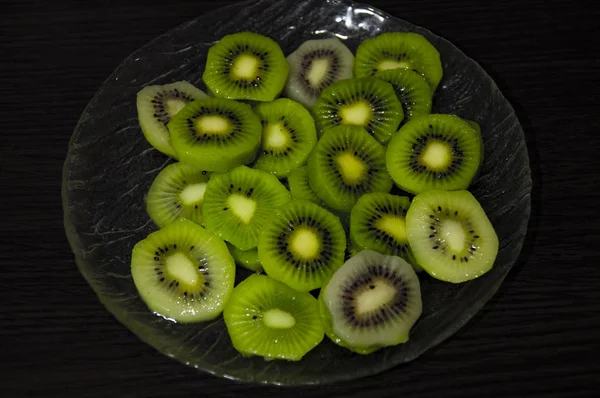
x=345 y=164
x=394 y=50
x=411 y=89
x=183 y=272
x=450 y=235
x=299 y=188
x=247 y=66
x=288 y=136
x=302 y=245
x=315 y=65
x=157 y=104
x=371 y=302
x=367 y=102
x=216 y=134
x=434 y=152
x=239 y=203
x=266 y=318
x=176 y=192
x=245 y=258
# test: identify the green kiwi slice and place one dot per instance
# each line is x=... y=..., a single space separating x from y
x=411 y=89
x=345 y=164
x=450 y=235
x=157 y=104
x=394 y=50
x=266 y=318
x=434 y=152
x=216 y=134
x=245 y=258
x=239 y=203
x=315 y=65
x=288 y=136
x=246 y=66
x=367 y=102
x=371 y=302
x=299 y=187
x=183 y=272
x=302 y=245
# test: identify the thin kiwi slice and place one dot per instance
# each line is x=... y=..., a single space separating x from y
x=411 y=89
x=394 y=50
x=315 y=65
x=302 y=245
x=157 y=104
x=239 y=203
x=245 y=258
x=183 y=272
x=299 y=187
x=345 y=164
x=216 y=134
x=434 y=152
x=451 y=236
x=288 y=136
x=266 y=318
x=371 y=302
x=367 y=102
x=246 y=66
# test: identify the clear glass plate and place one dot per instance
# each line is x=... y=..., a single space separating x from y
x=110 y=166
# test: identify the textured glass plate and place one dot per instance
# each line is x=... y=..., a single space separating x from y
x=110 y=166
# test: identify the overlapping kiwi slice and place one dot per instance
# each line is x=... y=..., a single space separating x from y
x=247 y=66
x=367 y=102
x=157 y=104
x=183 y=272
x=239 y=203
x=434 y=152
x=412 y=90
x=299 y=187
x=394 y=50
x=245 y=258
x=450 y=235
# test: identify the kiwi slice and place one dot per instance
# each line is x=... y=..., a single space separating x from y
x=288 y=136
x=371 y=302
x=216 y=134
x=411 y=89
x=245 y=258
x=302 y=245
x=183 y=272
x=157 y=104
x=315 y=65
x=394 y=50
x=246 y=66
x=450 y=235
x=239 y=203
x=266 y=318
x=434 y=152
x=345 y=164
x=176 y=192
x=367 y=102
x=299 y=187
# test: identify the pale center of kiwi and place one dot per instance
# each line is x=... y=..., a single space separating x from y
x=393 y=226
x=242 y=207
x=174 y=105
x=182 y=269
x=436 y=155
x=305 y=244
x=358 y=113
x=192 y=193
x=374 y=296
x=212 y=124
x=275 y=135
x=317 y=71
x=454 y=234
x=246 y=67
x=351 y=167
x=278 y=319
x=393 y=64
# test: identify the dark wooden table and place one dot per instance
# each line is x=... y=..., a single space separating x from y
x=538 y=337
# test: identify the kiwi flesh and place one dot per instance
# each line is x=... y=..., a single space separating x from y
x=299 y=188
x=183 y=272
x=450 y=235
x=412 y=90
x=157 y=104
x=315 y=65
x=267 y=318
x=245 y=66
x=245 y=258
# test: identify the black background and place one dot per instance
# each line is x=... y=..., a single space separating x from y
x=538 y=337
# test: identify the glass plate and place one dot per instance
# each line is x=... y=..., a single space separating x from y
x=110 y=166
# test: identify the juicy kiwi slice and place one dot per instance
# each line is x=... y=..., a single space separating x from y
x=245 y=258
x=405 y=50
x=288 y=136
x=451 y=235
x=183 y=272
x=246 y=66
x=302 y=245
x=239 y=203
x=299 y=187
x=368 y=102
x=315 y=65
x=345 y=164
x=157 y=104
x=371 y=302
x=216 y=134
x=266 y=318
x=434 y=152
x=411 y=89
